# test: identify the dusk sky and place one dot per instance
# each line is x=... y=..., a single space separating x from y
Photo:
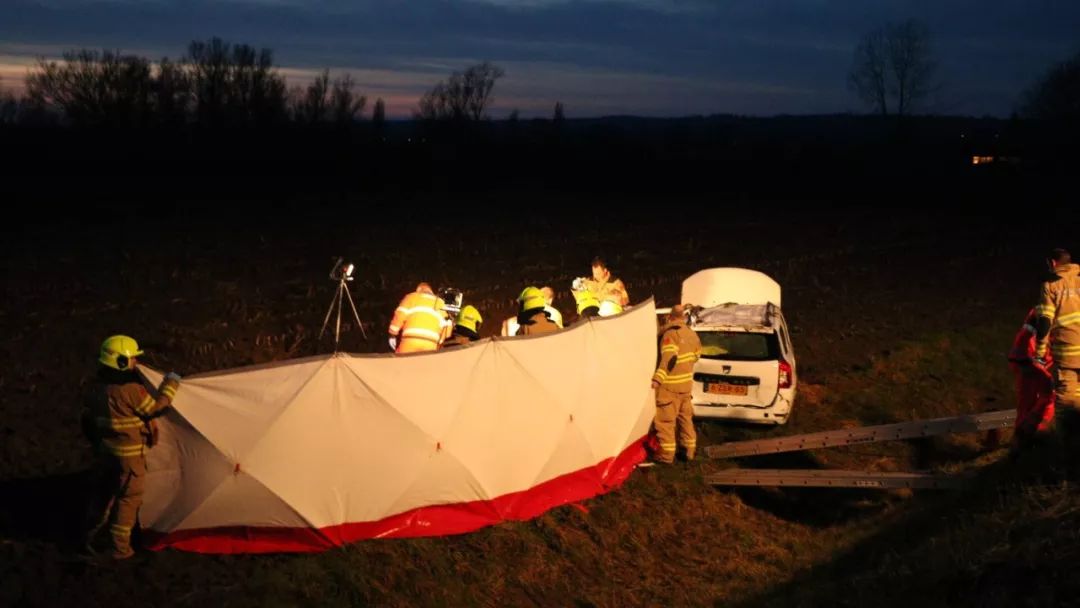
x=599 y=57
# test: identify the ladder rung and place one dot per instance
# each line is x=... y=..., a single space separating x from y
x=834 y=479
x=867 y=434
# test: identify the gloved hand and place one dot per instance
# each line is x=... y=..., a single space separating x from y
x=393 y=344
x=175 y=377
x=152 y=433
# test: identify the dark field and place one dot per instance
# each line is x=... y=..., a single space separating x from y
x=896 y=315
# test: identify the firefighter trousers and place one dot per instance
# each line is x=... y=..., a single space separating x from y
x=674 y=425
x=116 y=497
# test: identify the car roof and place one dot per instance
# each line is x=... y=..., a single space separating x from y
x=745 y=317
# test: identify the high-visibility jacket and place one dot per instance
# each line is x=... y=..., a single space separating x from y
x=1059 y=302
x=585 y=299
x=420 y=323
x=117 y=413
x=680 y=349
x=611 y=290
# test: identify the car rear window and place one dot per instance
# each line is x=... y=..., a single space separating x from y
x=739 y=346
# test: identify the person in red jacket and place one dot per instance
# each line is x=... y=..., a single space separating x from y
x=1034 y=384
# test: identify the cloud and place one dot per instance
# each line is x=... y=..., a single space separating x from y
x=746 y=56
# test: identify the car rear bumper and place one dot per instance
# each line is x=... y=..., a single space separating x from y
x=776 y=413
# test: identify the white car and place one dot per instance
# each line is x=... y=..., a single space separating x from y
x=747 y=369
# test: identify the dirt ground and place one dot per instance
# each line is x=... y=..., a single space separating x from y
x=895 y=315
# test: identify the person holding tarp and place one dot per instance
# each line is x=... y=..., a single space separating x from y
x=118 y=419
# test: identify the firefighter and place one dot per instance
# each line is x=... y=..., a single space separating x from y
x=420 y=323
x=606 y=288
x=680 y=349
x=549 y=299
x=532 y=318
x=118 y=418
x=510 y=325
x=1058 y=335
x=1034 y=386
x=467 y=328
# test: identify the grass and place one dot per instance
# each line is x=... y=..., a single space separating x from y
x=879 y=337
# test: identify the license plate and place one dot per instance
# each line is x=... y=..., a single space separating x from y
x=725 y=389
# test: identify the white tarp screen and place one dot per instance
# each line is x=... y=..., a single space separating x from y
x=311 y=453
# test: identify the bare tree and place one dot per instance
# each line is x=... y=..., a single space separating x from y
x=464 y=96
x=235 y=84
x=893 y=69
x=559 y=117
x=9 y=106
x=346 y=105
x=172 y=92
x=378 y=115
x=868 y=71
x=1056 y=96
x=326 y=100
x=313 y=102
x=92 y=88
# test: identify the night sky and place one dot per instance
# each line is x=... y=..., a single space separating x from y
x=599 y=57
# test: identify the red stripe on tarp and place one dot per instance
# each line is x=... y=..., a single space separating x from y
x=437 y=520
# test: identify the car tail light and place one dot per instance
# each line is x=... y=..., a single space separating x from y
x=785 y=374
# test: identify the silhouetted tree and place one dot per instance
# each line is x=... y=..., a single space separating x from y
x=378 y=115
x=172 y=93
x=235 y=85
x=346 y=105
x=559 y=117
x=9 y=106
x=893 y=68
x=92 y=88
x=464 y=96
x=312 y=104
x=1056 y=95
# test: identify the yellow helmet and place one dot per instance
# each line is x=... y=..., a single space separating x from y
x=117 y=352
x=470 y=318
x=585 y=299
x=531 y=298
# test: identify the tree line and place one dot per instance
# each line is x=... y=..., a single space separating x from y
x=217 y=84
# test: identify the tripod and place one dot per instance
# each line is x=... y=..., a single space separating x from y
x=342 y=293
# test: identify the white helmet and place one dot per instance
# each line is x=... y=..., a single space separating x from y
x=609 y=308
